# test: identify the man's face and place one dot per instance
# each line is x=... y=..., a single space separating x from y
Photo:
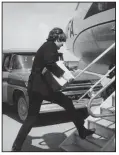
x=59 y=44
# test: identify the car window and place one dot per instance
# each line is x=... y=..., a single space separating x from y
x=98 y=7
x=27 y=61
x=6 y=63
x=22 y=61
x=15 y=62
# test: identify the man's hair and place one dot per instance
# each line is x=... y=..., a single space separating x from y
x=57 y=34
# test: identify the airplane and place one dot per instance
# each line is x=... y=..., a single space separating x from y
x=91 y=31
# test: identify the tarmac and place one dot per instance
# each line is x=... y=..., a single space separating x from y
x=44 y=138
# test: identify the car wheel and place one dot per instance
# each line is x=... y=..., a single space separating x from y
x=22 y=108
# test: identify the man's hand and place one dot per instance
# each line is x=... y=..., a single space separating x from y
x=67 y=78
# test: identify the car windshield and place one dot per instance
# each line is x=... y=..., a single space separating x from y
x=23 y=61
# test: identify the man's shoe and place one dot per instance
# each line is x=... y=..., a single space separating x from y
x=86 y=132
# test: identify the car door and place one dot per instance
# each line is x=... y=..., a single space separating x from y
x=5 y=74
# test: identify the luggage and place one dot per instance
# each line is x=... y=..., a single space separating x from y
x=55 y=83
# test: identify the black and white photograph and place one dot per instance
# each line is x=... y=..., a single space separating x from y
x=58 y=76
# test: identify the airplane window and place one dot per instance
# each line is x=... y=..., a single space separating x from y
x=98 y=7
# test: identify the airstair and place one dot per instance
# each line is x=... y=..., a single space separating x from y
x=101 y=117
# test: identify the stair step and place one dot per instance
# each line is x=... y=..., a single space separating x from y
x=110 y=145
x=101 y=141
x=85 y=144
x=108 y=111
x=71 y=148
x=96 y=139
x=112 y=126
x=92 y=143
x=68 y=145
x=82 y=145
x=45 y=108
x=68 y=140
x=102 y=130
x=112 y=109
x=110 y=101
x=104 y=122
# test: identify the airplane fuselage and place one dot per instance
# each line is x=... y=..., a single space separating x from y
x=90 y=32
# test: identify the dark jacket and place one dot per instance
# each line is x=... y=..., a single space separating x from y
x=46 y=56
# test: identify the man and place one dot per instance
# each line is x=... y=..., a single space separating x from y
x=38 y=89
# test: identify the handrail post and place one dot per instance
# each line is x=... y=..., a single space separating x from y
x=89 y=103
x=97 y=83
x=94 y=61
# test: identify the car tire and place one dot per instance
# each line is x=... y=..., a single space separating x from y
x=22 y=108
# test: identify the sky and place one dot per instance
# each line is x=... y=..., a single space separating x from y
x=26 y=25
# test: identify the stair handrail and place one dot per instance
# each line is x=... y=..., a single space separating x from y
x=90 y=101
x=96 y=83
x=95 y=60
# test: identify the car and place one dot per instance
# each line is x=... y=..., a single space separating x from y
x=16 y=68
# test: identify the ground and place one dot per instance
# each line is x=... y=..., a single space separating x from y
x=41 y=138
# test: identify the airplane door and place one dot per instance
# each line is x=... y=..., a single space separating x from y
x=5 y=73
x=104 y=35
x=101 y=17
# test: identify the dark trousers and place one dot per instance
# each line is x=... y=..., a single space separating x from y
x=35 y=101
